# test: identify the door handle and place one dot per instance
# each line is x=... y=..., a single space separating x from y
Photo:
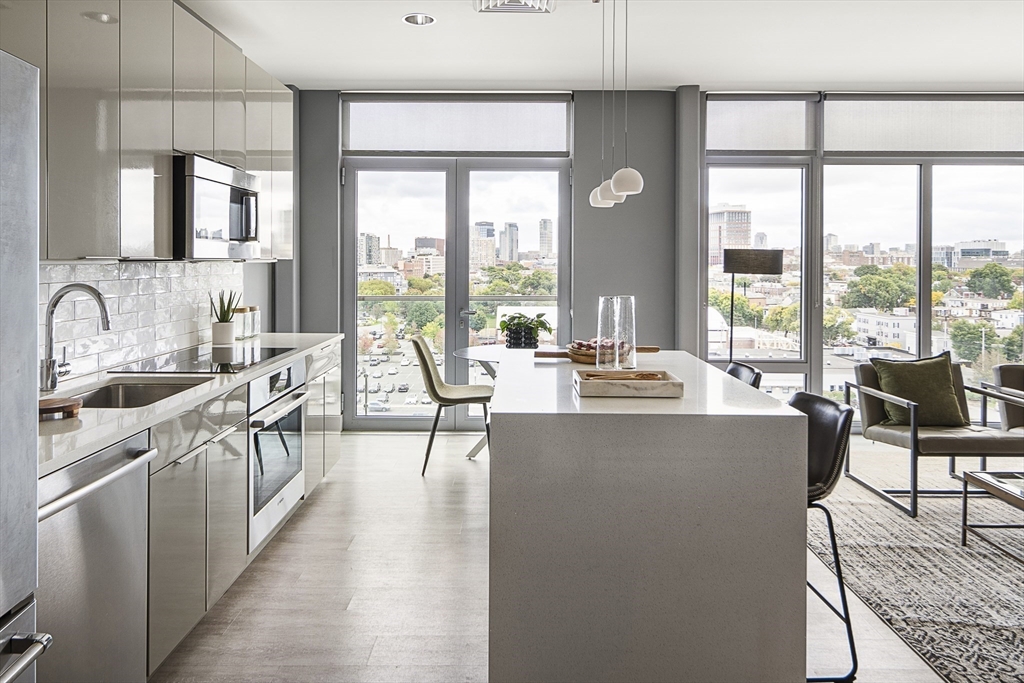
x=467 y=314
x=189 y=456
x=50 y=509
x=223 y=435
x=28 y=646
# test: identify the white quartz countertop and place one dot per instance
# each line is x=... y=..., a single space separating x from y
x=62 y=442
x=526 y=385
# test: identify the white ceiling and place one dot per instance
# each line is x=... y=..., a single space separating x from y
x=915 y=45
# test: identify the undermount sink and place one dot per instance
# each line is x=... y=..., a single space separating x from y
x=133 y=394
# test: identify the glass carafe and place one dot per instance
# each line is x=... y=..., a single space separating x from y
x=616 y=332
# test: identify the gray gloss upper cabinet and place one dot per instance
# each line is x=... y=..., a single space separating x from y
x=83 y=120
x=259 y=146
x=23 y=34
x=147 y=128
x=193 y=84
x=282 y=163
x=228 y=103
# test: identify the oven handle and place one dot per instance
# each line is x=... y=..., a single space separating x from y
x=274 y=417
x=29 y=646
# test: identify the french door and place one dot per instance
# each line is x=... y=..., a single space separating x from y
x=444 y=248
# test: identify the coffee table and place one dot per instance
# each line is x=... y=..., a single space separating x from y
x=1006 y=486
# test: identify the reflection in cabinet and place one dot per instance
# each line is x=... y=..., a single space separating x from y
x=259 y=142
x=332 y=418
x=283 y=144
x=227 y=506
x=228 y=103
x=193 y=84
x=83 y=173
x=23 y=34
x=177 y=552
x=147 y=128
x=313 y=451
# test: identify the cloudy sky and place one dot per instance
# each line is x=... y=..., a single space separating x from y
x=406 y=205
x=879 y=203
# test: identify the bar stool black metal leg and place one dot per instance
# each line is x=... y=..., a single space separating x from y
x=430 y=443
x=487 y=425
x=284 y=443
x=259 y=451
x=844 y=615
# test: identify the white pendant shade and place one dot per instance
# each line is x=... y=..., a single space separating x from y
x=627 y=181
x=597 y=202
x=604 y=191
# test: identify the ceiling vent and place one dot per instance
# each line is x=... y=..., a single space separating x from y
x=516 y=6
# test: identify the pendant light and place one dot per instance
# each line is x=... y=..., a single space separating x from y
x=604 y=190
x=595 y=195
x=626 y=181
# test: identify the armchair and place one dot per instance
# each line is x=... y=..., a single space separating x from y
x=948 y=442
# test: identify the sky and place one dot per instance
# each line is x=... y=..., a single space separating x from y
x=865 y=204
x=410 y=204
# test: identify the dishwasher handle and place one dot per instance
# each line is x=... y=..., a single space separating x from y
x=274 y=417
x=29 y=646
x=64 y=502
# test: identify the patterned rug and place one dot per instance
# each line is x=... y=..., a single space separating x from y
x=961 y=609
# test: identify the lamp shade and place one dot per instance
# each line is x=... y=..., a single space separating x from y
x=605 y=192
x=753 y=261
x=597 y=202
x=627 y=181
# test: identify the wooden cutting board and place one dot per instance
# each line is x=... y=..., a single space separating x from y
x=59 y=408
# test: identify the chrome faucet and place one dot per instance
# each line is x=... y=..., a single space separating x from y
x=49 y=369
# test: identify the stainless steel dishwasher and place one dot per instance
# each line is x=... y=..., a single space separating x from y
x=92 y=565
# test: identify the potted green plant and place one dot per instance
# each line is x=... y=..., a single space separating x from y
x=521 y=330
x=223 y=317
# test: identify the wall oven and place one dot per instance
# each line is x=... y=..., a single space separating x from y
x=215 y=210
x=276 y=449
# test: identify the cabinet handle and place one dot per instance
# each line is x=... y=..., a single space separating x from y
x=190 y=455
x=50 y=509
x=223 y=435
x=29 y=646
x=267 y=421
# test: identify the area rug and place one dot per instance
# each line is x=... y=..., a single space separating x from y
x=961 y=609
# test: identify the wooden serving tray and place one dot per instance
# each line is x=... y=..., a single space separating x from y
x=586 y=357
x=625 y=384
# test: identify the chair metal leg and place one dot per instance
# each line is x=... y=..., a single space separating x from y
x=487 y=426
x=284 y=443
x=259 y=451
x=430 y=443
x=843 y=615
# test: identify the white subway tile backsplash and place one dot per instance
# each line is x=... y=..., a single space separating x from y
x=155 y=307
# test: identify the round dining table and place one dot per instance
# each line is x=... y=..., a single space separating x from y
x=488 y=356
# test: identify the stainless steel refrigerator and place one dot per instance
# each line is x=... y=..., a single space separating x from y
x=20 y=646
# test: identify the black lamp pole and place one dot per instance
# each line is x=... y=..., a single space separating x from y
x=732 y=312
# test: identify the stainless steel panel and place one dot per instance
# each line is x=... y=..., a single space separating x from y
x=193 y=84
x=313 y=446
x=177 y=553
x=273 y=385
x=228 y=103
x=22 y=622
x=92 y=572
x=19 y=276
x=220 y=173
x=189 y=430
x=147 y=128
x=332 y=418
x=227 y=511
x=23 y=34
x=282 y=222
x=259 y=145
x=83 y=120
x=323 y=359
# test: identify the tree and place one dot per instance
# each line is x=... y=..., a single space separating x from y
x=365 y=342
x=746 y=315
x=419 y=313
x=937 y=298
x=478 y=321
x=538 y=282
x=868 y=269
x=1012 y=344
x=433 y=332
x=837 y=325
x=884 y=292
x=783 y=319
x=968 y=338
x=992 y=280
x=1017 y=300
x=376 y=288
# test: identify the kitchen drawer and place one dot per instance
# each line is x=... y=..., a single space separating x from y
x=180 y=435
x=323 y=359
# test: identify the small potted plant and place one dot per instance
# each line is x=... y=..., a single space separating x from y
x=521 y=330
x=223 y=317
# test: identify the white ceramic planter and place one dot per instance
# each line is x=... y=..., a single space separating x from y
x=224 y=334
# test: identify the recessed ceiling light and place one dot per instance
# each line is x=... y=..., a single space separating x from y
x=418 y=19
x=101 y=17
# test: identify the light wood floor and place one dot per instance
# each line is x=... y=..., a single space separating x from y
x=382 y=576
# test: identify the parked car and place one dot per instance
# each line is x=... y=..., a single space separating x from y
x=377 y=374
x=390 y=389
x=411 y=401
x=374 y=362
x=392 y=371
x=385 y=358
x=426 y=401
x=416 y=363
x=373 y=388
x=380 y=345
x=378 y=407
x=399 y=335
x=405 y=362
x=403 y=387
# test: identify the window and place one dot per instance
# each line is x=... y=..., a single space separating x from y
x=758 y=125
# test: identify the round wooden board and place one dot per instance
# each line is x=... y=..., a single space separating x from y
x=59 y=408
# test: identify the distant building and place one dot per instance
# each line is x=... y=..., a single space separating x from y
x=384 y=273
x=943 y=255
x=976 y=253
x=728 y=228
x=411 y=268
x=432 y=265
x=760 y=241
x=481 y=252
x=508 y=243
x=435 y=243
x=878 y=328
x=873 y=249
x=483 y=229
x=389 y=256
x=851 y=247
x=547 y=238
x=368 y=250
x=832 y=242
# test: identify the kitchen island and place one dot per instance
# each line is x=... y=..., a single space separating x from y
x=653 y=539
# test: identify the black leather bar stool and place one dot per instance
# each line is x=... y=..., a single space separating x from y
x=828 y=438
x=745 y=373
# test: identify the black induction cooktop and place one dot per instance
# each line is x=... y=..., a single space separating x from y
x=206 y=358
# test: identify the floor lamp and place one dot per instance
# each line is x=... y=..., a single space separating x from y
x=748 y=262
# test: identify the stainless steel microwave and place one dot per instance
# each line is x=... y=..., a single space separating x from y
x=215 y=210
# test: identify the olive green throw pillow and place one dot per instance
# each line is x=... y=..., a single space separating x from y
x=927 y=382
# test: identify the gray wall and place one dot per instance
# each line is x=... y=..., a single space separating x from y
x=631 y=247
x=320 y=198
x=258 y=284
x=689 y=161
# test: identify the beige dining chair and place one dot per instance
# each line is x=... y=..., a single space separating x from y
x=447 y=395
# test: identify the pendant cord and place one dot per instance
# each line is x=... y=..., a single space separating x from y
x=615 y=4
x=625 y=125
x=603 y=42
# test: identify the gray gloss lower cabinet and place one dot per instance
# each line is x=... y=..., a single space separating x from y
x=227 y=510
x=313 y=445
x=332 y=418
x=177 y=552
